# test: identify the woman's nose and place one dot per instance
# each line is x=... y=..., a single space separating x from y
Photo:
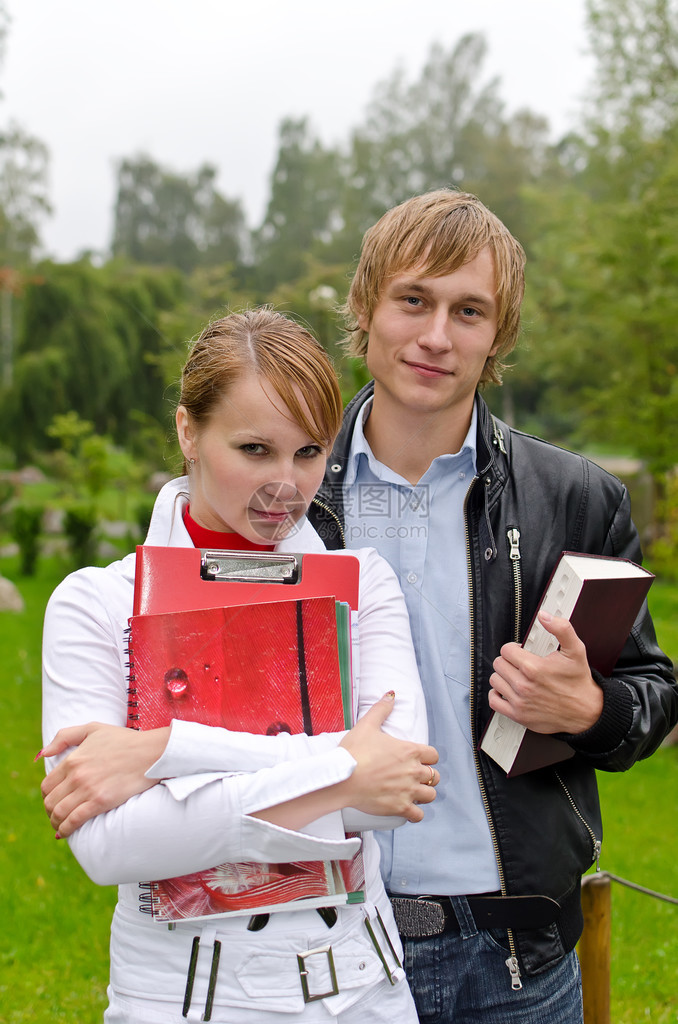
x=280 y=490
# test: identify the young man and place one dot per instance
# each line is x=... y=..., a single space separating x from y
x=473 y=516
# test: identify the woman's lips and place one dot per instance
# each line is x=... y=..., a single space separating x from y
x=271 y=517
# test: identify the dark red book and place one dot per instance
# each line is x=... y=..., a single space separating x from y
x=601 y=597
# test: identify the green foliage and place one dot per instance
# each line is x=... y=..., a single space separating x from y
x=26 y=527
x=93 y=341
x=54 y=951
x=168 y=219
x=665 y=547
x=639 y=822
x=80 y=524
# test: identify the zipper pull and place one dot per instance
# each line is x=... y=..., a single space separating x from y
x=597 y=847
x=498 y=437
x=514 y=971
x=514 y=540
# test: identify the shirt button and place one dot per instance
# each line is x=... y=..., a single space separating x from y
x=411 y=577
x=462 y=475
x=403 y=881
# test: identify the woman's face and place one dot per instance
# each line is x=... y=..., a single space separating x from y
x=256 y=469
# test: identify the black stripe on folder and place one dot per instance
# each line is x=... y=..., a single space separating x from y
x=303 y=681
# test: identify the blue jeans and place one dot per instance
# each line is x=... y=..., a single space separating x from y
x=462 y=978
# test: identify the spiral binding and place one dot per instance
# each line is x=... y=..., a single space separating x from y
x=149 y=902
x=132 y=716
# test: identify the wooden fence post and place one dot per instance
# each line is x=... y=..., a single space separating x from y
x=594 y=948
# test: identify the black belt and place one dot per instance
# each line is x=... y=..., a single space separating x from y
x=419 y=917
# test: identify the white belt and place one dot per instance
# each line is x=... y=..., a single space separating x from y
x=335 y=972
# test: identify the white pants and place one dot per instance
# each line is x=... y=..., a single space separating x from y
x=382 y=1004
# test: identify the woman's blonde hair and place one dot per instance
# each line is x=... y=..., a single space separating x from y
x=283 y=352
x=437 y=233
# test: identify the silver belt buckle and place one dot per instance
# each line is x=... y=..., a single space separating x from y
x=418 y=918
x=303 y=973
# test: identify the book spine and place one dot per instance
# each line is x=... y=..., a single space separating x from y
x=132 y=702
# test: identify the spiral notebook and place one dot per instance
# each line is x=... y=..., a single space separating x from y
x=270 y=666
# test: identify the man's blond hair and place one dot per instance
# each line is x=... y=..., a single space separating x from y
x=436 y=234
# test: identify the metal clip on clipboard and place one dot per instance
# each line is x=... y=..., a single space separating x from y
x=249 y=567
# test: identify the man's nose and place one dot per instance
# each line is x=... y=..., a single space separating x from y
x=435 y=334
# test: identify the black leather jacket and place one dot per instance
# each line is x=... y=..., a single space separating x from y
x=545 y=825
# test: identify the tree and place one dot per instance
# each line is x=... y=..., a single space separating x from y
x=93 y=340
x=23 y=204
x=635 y=43
x=448 y=128
x=168 y=219
x=303 y=210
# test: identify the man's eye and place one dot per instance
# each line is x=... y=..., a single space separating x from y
x=413 y=300
x=470 y=311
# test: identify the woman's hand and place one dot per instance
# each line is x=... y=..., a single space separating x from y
x=392 y=776
x=106 y=768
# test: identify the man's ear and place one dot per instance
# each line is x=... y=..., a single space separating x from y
x=186 y=433
x=363 y=321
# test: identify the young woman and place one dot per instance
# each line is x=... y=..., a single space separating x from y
x=258 y=412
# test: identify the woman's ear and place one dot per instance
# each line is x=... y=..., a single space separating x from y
x=186 y=433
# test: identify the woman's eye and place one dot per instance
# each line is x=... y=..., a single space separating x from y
x=253 y=449
x=309 y=451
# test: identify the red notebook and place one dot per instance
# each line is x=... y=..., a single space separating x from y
x=264 y=667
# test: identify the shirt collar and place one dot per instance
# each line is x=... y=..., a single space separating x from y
x=360 y=446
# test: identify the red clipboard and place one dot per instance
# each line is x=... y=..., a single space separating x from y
x=198 y=582
x=182 y=579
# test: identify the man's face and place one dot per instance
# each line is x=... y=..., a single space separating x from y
x=430 y=337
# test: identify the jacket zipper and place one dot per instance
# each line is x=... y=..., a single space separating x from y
x=514 y=554
x=595 y=842
x=512 y=961
x=331 y=512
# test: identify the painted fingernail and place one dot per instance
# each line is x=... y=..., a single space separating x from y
x=57 y=836
x=37 y=756
x=390 y=694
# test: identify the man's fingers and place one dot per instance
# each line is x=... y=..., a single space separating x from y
x=563 y=630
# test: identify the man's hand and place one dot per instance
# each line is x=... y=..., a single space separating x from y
x=552 y=694
x=106 y=768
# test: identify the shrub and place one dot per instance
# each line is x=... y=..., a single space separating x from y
x=26 y=527
x=80 y=523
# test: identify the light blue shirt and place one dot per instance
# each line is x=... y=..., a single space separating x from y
x=420 y=531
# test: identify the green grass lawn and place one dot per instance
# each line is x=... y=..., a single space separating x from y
x=54 y=943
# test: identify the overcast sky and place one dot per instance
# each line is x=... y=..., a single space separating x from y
x=189 y=81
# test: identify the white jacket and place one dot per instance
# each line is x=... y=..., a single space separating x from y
x=200 y=816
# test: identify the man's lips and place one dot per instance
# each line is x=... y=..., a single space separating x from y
x=426 y=370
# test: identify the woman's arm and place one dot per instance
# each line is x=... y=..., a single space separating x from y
x=110 y=765
x=153 y=835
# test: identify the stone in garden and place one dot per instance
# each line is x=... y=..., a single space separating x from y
x=10 y=598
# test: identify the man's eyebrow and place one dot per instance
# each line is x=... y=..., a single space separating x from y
x=421 y=288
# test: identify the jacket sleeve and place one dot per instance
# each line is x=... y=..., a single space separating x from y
x=640 y=699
